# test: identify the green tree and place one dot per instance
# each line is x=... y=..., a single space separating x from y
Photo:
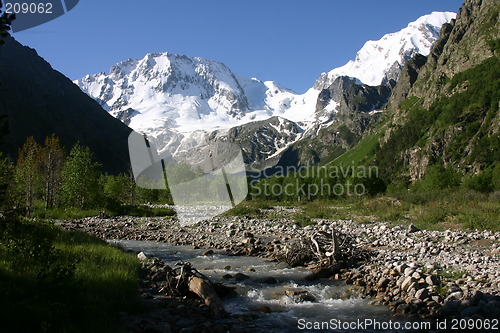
x=52 y=156
x=117 y=188
x=438 y=177
x=27 y=176
x=6 y=173
x=80 y=178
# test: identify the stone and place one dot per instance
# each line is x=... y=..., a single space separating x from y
x=476 y=298
x=142 y=256
x=268 y=280
x=393 y=272
x=407 y=283
x=455 y=296
x=412 y=229
x=157 y=328
x=305 y=298
x=262 y=308
x=400 y=281
x=422 y=294
x=470 y=311
x=295 y=291
x=248 y=241
x=409 y=271
x=403 y=309
x=401 y=268
x=207 y=253
x=240 y=277
x=437 y=299
x=491 y=310
x=432 y=280
x=383 y=283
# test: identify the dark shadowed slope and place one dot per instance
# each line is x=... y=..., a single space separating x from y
x=39 y=101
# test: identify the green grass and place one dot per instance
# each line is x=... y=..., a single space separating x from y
x=69 y=213
x=250 y=208
x=139 y=211
x=302 y=219
x=451 y=274
x=363 y=152
x=450 y=208
x=72 y=213
x=53 y=280
x=453 y=208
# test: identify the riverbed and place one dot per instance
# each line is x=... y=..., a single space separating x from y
x=280 y=296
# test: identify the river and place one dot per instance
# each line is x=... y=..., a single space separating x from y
x=282 y=298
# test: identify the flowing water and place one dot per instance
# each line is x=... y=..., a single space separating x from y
x=278 y=294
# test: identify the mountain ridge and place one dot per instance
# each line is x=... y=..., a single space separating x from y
x=442 y=119
x=39 y=101
x=171 y=98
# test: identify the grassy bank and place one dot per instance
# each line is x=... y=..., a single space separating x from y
x=111 y=210
x=53 y=280
x=454 y=208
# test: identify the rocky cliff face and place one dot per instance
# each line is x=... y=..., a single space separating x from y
x=444 y=108
x=355 y=106
x=262 y=142
x=464 y=43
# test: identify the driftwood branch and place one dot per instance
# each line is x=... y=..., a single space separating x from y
x=329 y=249
x=205 y=291
x=185 y=280
x=318 y=250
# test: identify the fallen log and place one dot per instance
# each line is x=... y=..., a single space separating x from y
x=207 y=293
x=325 y=272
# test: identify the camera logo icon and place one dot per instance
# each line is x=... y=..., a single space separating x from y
x=32 y=13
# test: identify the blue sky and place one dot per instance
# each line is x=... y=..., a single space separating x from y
x=288 y=41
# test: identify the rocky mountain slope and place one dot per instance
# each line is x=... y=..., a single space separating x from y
x=39 y=101
x=443 y=113
x=185 y=102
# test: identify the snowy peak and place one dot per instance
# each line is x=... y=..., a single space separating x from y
x=133 y=82
x=166 y=89
x=378 y=61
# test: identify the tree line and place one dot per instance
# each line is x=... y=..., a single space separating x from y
x=47 y=176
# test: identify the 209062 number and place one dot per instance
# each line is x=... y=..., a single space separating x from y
x=474 y=324
x=28 y=8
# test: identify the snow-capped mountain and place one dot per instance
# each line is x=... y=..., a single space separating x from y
x=378 y=61
x=183 y=101
x=165 y=90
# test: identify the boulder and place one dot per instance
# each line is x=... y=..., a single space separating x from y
x=207 y=253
